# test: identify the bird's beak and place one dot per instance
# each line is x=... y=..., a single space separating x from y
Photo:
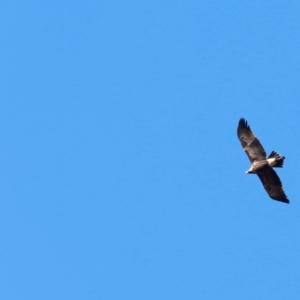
x=247 y=172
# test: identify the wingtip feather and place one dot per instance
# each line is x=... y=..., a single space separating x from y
x=243 y=124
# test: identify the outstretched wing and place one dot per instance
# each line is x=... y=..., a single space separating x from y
x=250 y=143
x=272 y=184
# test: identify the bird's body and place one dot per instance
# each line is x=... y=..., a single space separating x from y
x=257 y=166
x=260 y=163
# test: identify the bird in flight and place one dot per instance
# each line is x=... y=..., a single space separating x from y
x=260 y=164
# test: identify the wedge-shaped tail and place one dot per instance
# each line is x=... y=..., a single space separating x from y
x=276 y=160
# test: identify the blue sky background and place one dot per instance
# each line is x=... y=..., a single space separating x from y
x=121 y=173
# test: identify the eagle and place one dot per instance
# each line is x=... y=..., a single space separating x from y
x=260 y=164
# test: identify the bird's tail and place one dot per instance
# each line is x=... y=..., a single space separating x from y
x=275 y=160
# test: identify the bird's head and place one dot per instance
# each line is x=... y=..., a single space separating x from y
x=250 y=171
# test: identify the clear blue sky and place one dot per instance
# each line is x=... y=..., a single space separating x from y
x=121 y=173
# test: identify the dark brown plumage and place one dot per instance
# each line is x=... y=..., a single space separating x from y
x=260 y=164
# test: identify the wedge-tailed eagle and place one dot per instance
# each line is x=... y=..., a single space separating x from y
x=260 y=164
